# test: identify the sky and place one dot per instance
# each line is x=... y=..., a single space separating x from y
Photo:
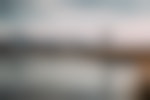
x=128 y=20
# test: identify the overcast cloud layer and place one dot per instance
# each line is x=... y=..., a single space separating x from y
x=128 y=20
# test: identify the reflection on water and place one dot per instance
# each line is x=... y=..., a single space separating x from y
x=66 y=77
